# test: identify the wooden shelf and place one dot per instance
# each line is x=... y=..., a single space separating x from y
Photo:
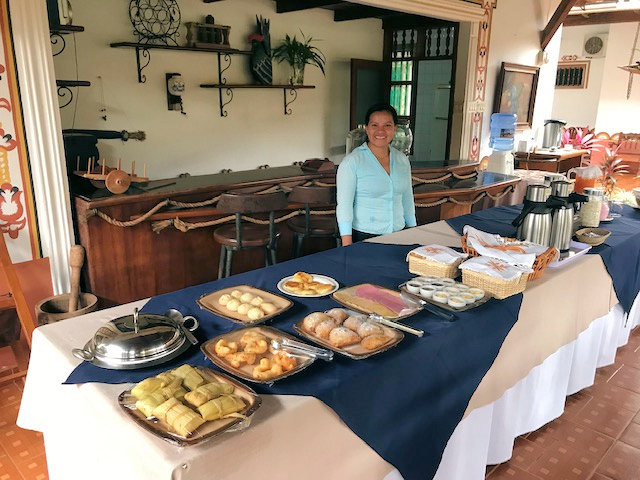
x=631 y=69
x=252 y=85
x=147 y=46
x=66 y=29
x=73 y=83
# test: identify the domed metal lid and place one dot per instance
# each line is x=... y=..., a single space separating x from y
x=138 y=340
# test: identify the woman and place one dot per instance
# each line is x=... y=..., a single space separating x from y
x=375 y=194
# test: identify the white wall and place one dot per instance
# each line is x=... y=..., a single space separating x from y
x=255 y=132
x=616 y=113
x=515 y=38
x=578 y=106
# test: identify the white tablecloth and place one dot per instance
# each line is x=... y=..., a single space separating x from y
x=87 y=435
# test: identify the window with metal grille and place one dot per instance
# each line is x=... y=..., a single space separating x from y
x=572 y=74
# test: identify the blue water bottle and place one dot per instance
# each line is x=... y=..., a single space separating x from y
x=503 y=127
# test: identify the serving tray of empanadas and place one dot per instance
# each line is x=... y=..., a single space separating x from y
x=244 y=304
x=348 y=333
x=248 y=353
x=189 y=405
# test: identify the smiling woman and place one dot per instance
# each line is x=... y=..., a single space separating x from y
x=374 y=190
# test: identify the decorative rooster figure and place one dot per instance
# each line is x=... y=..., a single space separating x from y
x=260 y=60
x=12 y=217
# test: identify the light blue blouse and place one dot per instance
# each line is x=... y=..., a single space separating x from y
x=369 y=199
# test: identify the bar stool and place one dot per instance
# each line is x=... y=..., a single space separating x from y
x=243 y=235
x=309 y=225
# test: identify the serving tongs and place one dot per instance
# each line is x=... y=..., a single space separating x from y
x=374 y=317
x=298 y=348
x=414 y=300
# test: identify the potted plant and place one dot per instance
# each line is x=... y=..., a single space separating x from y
x=299 y=54
x=611 y=167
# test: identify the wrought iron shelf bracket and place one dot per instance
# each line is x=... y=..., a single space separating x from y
x=57 y=39
x=292 y=90
x=143 y=56
x=64 y=89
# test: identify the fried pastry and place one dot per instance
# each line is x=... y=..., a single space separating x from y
x=374 y=341
x=303 y=277
x=239 y=358
x=338 y=314
x=368 y=328
x=267 y=369
x=324 y=328
x=312 y=320
x=321 y=288
x=293 y=286
x=223 y=348
x=353 y=322
x=285 y=360
x=342 y=337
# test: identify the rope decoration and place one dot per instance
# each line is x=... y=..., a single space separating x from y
x=184 y=227
x=444 y=177
x=478 y=197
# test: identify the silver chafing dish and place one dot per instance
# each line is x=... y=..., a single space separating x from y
x=139 y=340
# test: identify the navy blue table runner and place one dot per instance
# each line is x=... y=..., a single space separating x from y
x=405 y=402
x=620 y=252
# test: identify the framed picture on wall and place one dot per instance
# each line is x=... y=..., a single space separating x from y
x=516 y=92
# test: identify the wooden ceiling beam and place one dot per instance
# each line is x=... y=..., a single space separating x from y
x=283 y=6
x=622 y=16
x=556 y=20
x=356 y=12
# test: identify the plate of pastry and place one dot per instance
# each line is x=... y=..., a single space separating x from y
x=348 y=333
x=244 y=304
x=189 y=405
x=303 y=284
x=247 y=353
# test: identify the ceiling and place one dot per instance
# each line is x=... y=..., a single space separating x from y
x=342 y=11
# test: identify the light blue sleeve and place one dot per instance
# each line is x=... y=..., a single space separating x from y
x=408 y=203
x=346 y=191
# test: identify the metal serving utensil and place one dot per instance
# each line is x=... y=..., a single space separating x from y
x=398 y=326
x=295 y=347
x=415 y=300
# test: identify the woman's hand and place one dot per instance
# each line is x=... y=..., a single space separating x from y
x=346 y=240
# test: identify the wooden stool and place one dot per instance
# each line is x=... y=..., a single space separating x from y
x=243 y=235
x=312 y=225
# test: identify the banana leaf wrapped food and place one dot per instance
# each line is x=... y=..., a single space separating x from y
x=207 y=392
x=222 y=406
x=151 y=384
x=179 y=417
x=191 y=379
x=174 y=390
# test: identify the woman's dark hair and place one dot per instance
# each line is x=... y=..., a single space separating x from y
x=381 y=107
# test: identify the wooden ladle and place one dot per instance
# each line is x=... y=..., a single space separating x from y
x=76 y=260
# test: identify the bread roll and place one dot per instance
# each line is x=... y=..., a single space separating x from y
x=246 y=297
x=352 y=323
x=244 y=308
x=338 y=314
x=342 y=337
x=268 y=308
x=224 y=299
x=233 y=304
x=312 y=320
x=257 y=301
x=373 y=342
x=255 y=313
x=368 y=328
x=324 y=328
x=236 y=294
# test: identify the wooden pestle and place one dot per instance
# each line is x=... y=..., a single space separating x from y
x=76 y=260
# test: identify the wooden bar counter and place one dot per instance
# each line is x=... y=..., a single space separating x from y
x=125 y=263
x=557 y=161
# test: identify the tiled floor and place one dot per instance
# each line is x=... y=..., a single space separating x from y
x=597 y=437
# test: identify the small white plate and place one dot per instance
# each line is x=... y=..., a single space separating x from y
x=608 y=219
x=316 y=278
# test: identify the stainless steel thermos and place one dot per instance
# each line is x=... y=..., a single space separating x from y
x=534 y=222
x=562 y=225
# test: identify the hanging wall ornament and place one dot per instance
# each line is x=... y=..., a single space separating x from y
x=155 y=21
x=260 y=60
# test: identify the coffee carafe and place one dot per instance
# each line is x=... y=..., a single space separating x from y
x=562 y=202
x=534 y=222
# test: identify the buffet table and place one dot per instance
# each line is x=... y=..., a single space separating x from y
x=558 y=346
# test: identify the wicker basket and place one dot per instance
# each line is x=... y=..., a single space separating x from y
x=495 y=286
x=425 y=266
x=541 y=262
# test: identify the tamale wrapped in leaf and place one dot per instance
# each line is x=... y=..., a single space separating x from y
x=148 y=403
x=221 y=407
x=187 y=421
x=161 y=410
x=146 y=387
x=191 y=379
x=207 y=392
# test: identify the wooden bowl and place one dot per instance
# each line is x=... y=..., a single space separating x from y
x=592 y=236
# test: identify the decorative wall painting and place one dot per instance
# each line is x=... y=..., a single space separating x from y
x=516 y=92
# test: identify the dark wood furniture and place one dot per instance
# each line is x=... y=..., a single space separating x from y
x=558 y=162
x=311 y=225
x=242 y=234
x=129 y=263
